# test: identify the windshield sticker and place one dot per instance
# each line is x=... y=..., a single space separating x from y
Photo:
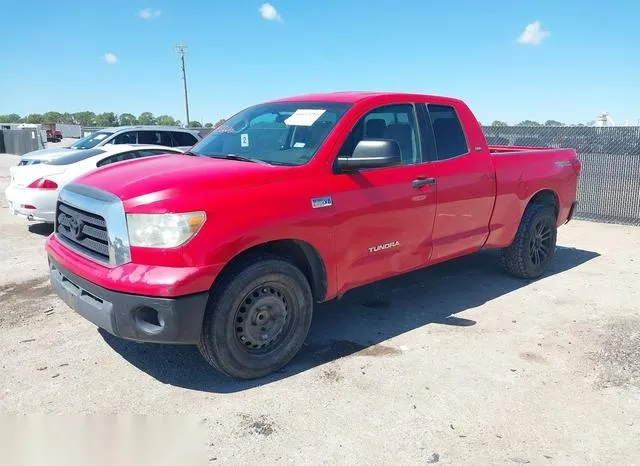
x=304 y=117
x=299 y=145
x=101 y=136
x=244 y=140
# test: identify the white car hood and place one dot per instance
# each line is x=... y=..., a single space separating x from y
x=48 y=154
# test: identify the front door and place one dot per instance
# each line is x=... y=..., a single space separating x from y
x=385 y=215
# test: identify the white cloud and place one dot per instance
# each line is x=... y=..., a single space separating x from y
x=269 y=12
x=149 y=13
x=110 y=58
x=533 y=34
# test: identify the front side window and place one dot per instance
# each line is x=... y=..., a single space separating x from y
x=161 y=138
x=448 y=132
x=91 y=140
x=396 y=122
x=278 y=133
x=128 y=137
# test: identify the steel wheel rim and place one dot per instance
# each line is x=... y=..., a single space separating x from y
x=540 y=243
x=261 y=319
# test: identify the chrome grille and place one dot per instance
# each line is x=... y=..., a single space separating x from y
x=83 y=231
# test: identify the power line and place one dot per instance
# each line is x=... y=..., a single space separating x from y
x=182 y=50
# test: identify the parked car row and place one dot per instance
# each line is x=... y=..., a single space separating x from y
x=40 y=175
x=299 y=200
x=37 y=179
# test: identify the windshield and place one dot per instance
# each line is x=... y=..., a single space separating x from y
x=91 y=140
x=279 y=133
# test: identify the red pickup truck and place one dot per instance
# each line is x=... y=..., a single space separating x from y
x=292 y=202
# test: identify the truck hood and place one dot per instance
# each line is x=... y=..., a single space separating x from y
x=169 y=177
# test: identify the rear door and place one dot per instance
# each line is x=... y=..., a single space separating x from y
x=465 y=182
x=383 y=222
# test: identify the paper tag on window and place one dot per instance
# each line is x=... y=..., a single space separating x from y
x=304 y=117
x=244 y=140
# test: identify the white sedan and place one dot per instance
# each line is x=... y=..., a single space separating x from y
x=37 y=180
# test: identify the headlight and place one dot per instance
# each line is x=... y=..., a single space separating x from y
x=163 y=230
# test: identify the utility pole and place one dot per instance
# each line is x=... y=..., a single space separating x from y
x=182 y=49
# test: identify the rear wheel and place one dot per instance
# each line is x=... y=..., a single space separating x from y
x=257 y=318
x=533 y=248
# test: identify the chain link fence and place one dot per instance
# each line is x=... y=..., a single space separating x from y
x=609 y=189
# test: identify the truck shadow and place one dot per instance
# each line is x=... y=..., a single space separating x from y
x=360 y=322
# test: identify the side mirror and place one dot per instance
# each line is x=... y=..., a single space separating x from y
x=372 y=153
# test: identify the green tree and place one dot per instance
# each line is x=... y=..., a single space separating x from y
x=166 y=120
x=219 y=122
x=553 y=123
x=106 y=119
x=85 y=118
x=499 y=123
x=67 y=118
x=195 y=124
x=208 y=125
x=127 y=119
x=146 y=118
x=10 y=118
x=529 y=123
x=34 y=118
x=52 y=117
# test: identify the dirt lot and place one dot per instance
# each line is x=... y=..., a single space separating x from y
x=458 y=364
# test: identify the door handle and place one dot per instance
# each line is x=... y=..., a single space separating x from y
x=422 y=181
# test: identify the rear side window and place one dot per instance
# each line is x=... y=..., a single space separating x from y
x=151 y=152
x=448 y=132
x=117 y=158
x=161 y=138
x=183 y=139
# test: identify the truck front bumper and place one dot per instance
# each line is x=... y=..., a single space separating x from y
x=129 y=316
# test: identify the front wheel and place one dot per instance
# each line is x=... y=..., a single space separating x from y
x=533 y=248
x=257 y=318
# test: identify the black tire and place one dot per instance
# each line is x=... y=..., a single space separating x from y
x=537 y=232
x=264 y=301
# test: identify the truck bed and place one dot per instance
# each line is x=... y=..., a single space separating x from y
x=523 y=171
x=509 y=149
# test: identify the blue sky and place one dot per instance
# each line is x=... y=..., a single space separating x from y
x=582 y=58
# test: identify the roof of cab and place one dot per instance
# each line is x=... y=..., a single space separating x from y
x=349 y=96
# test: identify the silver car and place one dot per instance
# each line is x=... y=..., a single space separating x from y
x=169 y=136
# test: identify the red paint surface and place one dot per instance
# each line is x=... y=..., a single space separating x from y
x=478 y=201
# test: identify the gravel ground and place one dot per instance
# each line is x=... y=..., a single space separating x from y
x=458 y=364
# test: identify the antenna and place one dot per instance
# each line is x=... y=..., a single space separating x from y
x=182 y=50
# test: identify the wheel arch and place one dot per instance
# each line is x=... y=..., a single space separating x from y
x=546 y=197
x=299 y=252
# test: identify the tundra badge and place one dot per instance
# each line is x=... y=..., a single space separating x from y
x=318 y=202
x=380 y=247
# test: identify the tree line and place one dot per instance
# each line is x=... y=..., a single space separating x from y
x=102 y=119
x=147 y=118
x=536 y=123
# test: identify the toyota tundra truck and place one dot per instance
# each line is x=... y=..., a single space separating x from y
x=294 y=202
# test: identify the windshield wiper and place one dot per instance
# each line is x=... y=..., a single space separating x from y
x=241 y=158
